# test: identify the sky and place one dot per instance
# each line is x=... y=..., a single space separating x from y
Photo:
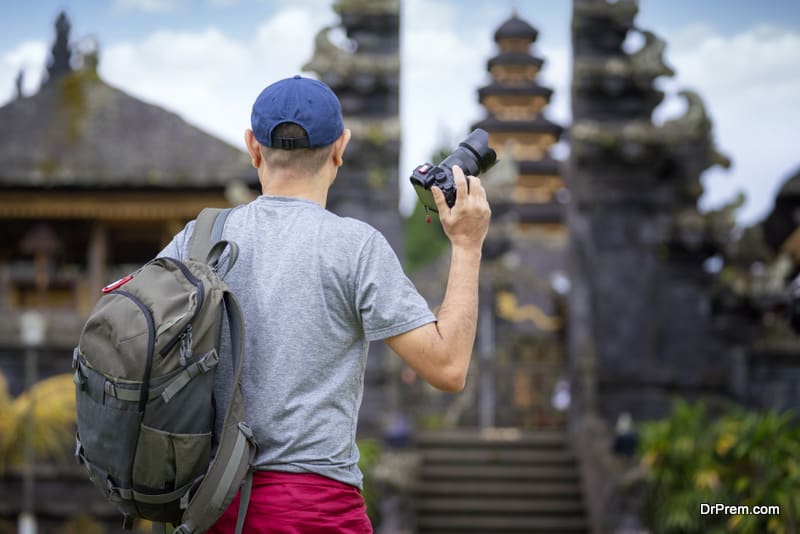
x=207 y=60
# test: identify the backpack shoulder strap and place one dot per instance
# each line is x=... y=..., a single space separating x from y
x=207 y=231
x=232 y=465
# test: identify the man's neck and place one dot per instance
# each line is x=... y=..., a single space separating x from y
x=312 y=190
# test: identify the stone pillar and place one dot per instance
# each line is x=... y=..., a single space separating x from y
x=97 y=263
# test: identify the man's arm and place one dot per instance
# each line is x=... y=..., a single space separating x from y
x=440 y=352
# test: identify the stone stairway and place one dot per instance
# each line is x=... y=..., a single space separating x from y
x=498 y=481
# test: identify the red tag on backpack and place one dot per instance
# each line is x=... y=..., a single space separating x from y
x=119 y=283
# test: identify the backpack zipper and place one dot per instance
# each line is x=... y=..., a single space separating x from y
x=200 y=298
x=151 y=341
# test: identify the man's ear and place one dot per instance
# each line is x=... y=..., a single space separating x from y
x=253 y=148
x=339 y=147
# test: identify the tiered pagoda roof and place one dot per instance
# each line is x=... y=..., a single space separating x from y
x=537 y=125
x=525 y=88
x=515 y=58
x=514 y=101
x=515 y=28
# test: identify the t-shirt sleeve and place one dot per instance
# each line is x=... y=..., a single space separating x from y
x=178 y=247
x=387 y=301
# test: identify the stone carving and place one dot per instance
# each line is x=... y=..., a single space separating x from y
x=60 y=59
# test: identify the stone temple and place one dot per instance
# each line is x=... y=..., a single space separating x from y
x=93 y=182
x=600 y=274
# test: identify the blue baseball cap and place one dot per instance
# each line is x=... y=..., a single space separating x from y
x=308 y=103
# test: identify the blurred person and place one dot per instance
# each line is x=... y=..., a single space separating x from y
x=315 y=290
x=626 y=439
x=562 y=398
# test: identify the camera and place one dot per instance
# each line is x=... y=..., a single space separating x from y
x=473 y=155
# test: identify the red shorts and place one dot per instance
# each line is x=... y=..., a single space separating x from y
x=298 y=503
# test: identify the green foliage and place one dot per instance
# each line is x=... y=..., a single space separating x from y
x=741 y=458
x=424 y=242
x=369 y=455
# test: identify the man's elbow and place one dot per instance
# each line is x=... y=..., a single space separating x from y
x=452 y=379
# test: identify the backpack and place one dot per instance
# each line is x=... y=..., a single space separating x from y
x=144 y=372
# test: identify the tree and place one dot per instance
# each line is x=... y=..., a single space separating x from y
x=51 y=403
x=742 y=458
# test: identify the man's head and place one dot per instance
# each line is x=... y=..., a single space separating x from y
x=296 y=123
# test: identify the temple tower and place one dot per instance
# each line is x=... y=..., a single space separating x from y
x=640 y=317
x=517 y=128
x=522 y=357
x=641 y=329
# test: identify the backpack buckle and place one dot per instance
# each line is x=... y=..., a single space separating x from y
x=79 y=379
x=111 y=489
x=209 y=361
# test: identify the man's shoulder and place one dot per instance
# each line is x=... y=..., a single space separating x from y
x=356 y=225
x=350 y=226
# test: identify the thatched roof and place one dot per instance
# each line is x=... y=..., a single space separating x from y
x=78 y=131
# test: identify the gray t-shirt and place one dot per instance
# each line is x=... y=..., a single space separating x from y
x=315 y=289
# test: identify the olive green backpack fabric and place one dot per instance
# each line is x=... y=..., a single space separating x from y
x=144 y=374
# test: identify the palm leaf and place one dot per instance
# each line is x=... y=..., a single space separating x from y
x=50 y=404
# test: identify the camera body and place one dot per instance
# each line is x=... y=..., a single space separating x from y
x=473 y=155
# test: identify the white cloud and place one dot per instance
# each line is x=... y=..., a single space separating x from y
x=751 y=86
x=195 y=75
x=149 y=6
x=556 y=74
x=28 y=57
x=749 y=82
x=285 y=42
x=208 y=77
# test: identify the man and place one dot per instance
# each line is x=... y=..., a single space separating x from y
x=315 y=289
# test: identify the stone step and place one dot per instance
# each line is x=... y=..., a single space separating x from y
x=498 y=481
x=495 y=438
x=487 y=489
x=500 y=473
x=516 y=505
x=491 y=524
x=443 y=455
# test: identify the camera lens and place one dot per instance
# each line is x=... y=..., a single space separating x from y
x=473 y=154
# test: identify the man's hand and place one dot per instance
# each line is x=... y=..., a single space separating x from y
x=467 y=222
